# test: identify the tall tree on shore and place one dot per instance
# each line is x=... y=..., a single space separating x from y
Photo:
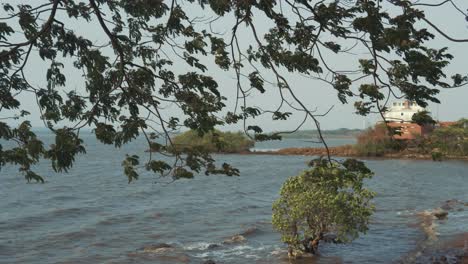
x=423 y=118
x=160 y=53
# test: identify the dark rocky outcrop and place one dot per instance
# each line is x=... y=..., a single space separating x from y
x=437 y=249
x=440 y=213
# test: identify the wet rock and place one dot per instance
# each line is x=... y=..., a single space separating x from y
x=440 y=214
x=451 y=204
x=210 y=261
x=428 y=224
x=249 y=231
x=213 y=246
x=241 y=236
x=158 y=248
x=297 y=254
x=235 y=239
x=446 y=207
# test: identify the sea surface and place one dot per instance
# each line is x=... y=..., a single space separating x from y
x=92 y=215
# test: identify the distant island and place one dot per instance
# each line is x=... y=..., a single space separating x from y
x=215 y=141
x=312 y=134
x=238 y=142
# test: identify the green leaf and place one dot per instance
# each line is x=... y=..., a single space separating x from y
x=256 y=82
x=158 y=166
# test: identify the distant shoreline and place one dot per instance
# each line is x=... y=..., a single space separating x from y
x=311 y=137
x=344 y=133
x=349 y=151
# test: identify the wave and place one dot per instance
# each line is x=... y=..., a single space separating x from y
x=116 y=219
x=200 y=246
x=25 y=222
x=227 y=253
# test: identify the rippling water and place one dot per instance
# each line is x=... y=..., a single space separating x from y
x=91 y=214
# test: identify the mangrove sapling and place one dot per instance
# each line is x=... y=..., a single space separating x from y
x=329 y=198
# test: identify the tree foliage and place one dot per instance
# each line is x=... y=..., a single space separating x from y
x=450 y=140
x=157 y=54
x=423 y=118
x=214 y=142
x=328 y=198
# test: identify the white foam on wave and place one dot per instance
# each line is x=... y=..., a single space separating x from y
x=227 y=253
x=278 y=251
x=407 y=213
x=263 y=149
x=198 y=246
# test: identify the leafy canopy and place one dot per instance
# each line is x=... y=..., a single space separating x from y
x=423 y=118
x=450 y=140
x=326 y=199
x=155 y=55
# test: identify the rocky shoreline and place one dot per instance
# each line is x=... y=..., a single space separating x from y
x=437 y=248
x=350 y=151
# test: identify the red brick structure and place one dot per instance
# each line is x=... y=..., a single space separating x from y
x=409 y=131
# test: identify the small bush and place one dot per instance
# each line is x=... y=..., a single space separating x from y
x=436 y=155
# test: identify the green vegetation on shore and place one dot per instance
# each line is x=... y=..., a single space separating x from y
x=376 y=142
x=451 y=140
x=442 y=141
x=214 y=141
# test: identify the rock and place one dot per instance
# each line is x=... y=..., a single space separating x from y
x=249 y=231
x=213 y=246
x=241 y=236
x=235 y=239
x=158 y=248
x=440 y=214
x=297 y=254
x=210 y=261
x=428 y=224
x=450 y=204
x=446 y=207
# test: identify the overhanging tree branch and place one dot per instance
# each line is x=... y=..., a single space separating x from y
x=6 y=54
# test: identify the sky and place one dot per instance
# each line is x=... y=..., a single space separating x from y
x=315 y=94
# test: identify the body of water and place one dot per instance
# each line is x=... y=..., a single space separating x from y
x=91 y=214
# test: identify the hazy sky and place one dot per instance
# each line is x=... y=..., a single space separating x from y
x=314 y=93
